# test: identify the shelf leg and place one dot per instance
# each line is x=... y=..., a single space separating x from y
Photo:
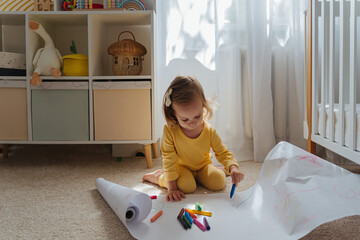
x=5 y=150
x=147 y=151
x=155 y=149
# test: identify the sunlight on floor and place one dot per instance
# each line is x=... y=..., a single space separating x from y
x=148 y=189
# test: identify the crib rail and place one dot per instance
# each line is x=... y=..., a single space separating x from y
x=335 y=80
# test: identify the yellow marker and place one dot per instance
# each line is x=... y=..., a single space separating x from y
x=209 y=214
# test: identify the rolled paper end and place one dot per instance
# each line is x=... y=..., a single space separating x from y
x=131 y=214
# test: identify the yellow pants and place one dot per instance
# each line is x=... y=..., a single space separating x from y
x=209 y=176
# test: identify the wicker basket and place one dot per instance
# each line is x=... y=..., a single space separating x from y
x=127 y=56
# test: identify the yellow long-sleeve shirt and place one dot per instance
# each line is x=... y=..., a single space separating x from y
x=194 y=154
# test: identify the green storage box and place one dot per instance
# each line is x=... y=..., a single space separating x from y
x=60 y=114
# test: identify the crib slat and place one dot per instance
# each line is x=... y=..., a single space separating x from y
x=323 y=67
x=314 y=53
x=352 y=89
x=331 y=67
x=341 y=74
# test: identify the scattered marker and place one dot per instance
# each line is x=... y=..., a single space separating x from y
x=197 y=223
x=188 y=217
x=191 y=214
x=209 y=214
x=186 y=221
x=206 y=223
x=197 y=206
x=156 y=216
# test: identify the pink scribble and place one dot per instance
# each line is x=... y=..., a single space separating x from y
x=286 y=196
x=310 y=159
x=307 y=220
x=309 y=190
x=345 y=192
x=127 y=196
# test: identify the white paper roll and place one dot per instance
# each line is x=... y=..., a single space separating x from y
x=129 y=205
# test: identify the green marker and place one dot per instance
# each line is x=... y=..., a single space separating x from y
x=186 y=221
x=197 y=206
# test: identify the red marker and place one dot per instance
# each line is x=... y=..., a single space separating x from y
x=153 y=197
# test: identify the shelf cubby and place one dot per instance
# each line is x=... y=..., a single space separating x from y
x=12 y=45
x=63 y=28
x=105 y=29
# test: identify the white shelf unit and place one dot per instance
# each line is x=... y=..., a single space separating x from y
x=93 y=32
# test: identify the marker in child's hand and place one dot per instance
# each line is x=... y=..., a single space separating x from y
x=232 y=190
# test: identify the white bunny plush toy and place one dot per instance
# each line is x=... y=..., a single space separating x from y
x=47 y=60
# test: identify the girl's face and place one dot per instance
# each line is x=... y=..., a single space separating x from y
x=189 y=116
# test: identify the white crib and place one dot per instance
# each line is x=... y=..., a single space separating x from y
x=333 y=77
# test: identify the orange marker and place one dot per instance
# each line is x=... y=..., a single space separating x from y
x=191 y=213
x=156 y=216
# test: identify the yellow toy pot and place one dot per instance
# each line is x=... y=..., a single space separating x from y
x=76 y=65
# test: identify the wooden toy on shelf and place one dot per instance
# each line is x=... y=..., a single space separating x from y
x=127 y=56
x=132 y=5
x=69 y=5
x=44 y=5
x=47 y=60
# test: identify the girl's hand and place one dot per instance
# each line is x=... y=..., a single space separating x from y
x=175 y=195
x=236 y=175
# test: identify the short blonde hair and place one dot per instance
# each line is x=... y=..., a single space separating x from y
x=183 y=90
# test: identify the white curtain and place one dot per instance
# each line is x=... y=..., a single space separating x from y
x=249 y=56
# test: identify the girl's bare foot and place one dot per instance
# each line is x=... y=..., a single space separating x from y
x=153 y=177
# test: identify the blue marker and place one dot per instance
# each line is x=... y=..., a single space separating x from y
x=187 y=215
x=232 y=190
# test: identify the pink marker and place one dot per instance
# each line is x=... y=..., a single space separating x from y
x=197 y=223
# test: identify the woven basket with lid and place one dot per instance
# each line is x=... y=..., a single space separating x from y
x=127 y=56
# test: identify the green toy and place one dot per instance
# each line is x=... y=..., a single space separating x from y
x=73 y=47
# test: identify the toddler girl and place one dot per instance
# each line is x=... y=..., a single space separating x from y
x=185 y=145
